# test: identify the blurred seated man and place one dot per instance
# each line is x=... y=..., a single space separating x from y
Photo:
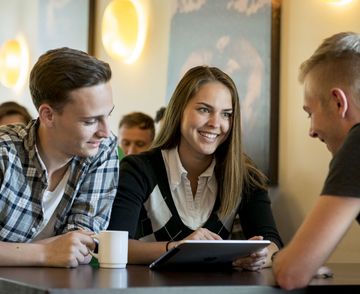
x=136 y=132
x=12 y=112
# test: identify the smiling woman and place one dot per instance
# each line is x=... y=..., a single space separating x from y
x=196 y=178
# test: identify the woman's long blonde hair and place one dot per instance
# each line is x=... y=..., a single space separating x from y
x=234 y=170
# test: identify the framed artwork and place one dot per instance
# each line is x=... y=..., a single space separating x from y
x=242 y=39
x=66 y=23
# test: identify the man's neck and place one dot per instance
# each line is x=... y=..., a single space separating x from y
x=54 y=160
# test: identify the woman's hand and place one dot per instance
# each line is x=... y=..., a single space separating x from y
x=203 y=234
x=255 y=261
x=199 y=234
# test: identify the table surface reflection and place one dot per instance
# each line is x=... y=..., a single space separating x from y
x=139 y=279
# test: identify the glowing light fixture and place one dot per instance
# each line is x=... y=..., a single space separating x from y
x=124 y=30
x=339 y=2
x=14 y=63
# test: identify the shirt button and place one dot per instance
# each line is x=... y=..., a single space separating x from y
x=33 y=230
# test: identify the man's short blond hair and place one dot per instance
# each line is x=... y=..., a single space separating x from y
x=337 y=63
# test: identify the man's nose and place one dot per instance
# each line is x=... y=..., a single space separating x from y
x=104 y=128
x=312 y=133
x=132 y=149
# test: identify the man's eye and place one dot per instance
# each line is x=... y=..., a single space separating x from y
x=203 y=109
x=89 y=122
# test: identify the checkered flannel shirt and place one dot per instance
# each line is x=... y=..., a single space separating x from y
x=88 y=194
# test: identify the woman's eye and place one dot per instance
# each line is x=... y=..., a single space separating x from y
x=227 y=114
x=203 y=109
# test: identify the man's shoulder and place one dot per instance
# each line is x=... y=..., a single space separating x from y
x=351 y=140
x=12 y=133
x=108 y=143
x=355 y=130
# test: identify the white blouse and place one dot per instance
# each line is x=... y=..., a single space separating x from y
x=193 y=211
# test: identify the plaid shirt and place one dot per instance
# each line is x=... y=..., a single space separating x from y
x=88 y=194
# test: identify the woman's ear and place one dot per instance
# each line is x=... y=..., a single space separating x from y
x=341 y=101
x=46 y=115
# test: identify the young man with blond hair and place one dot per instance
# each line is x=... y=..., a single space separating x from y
x=331 y=78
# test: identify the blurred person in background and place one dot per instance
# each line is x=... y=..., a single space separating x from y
x=12 y=112
x=136 y=133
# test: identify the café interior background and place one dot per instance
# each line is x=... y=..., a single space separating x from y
x=303 y=161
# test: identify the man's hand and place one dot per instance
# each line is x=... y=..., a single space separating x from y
x=68 y=250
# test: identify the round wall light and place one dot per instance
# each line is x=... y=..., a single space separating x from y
x=124 y=30
x=14 y=63
x=339 y=2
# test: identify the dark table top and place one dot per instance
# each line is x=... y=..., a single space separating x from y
x=139 y=279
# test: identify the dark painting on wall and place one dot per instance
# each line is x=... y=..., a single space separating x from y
x=241 y=38
x=65 y=23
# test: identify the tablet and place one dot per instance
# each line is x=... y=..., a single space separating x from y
x=207 y=253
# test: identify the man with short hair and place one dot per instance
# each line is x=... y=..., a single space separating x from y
x=136 y=132
x=331 y=78
x=59 y=174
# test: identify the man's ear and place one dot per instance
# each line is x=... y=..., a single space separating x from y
x=341 y=101
x=46 y=115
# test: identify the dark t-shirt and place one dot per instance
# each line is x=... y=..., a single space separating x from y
x=344 y=175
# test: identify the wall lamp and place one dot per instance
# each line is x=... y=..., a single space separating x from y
x=339 y=2
x=124 y=28
x=14 y=63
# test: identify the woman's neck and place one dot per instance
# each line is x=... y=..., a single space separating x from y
x=194 y=164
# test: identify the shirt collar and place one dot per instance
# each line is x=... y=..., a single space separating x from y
x=175 y=169
x=30 y=143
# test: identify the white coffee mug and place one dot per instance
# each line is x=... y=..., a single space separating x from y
x=112 y=249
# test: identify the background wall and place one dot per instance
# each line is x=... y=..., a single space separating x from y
x=14 y=21
x=44 y=25
x=140 y=86
x=303 y=162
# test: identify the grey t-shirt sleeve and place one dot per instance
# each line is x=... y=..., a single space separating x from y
x=344 y=174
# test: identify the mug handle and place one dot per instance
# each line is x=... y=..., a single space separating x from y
x=96 y=240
